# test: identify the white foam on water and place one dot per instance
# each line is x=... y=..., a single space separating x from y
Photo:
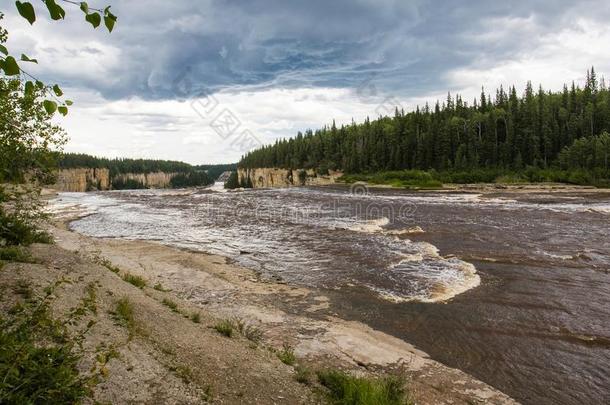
x=377 y=226
x=556 y=256
x=430 y=276
x=407 y=231
x=370 y=226
x=218 y=187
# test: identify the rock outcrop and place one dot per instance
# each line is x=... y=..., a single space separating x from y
x=275 y=178
x=88 y=179
x=84 y=179
x=148 y=180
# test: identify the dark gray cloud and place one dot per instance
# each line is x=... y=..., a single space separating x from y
x=408 y=46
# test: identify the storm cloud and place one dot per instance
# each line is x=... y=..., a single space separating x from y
x=415 y=51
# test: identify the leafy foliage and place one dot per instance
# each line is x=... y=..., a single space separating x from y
x=15 y=254
x=26 y=133
x=19 y=228
x=505 y=134
x=37 y=362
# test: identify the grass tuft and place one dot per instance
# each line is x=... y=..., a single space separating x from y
x=225 y=327
x=159 y=287
x=196 y=317
x=303 y=375
x=184 y=373
x=134 y=280
x=249 y=331
x=346 y=389
x=287 y=356
x=103 y=261
x=170 y=304
x=124 y=315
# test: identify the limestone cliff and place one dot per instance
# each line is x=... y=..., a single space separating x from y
x=83 y=179
x=148 y=180
x=86 y=179
x=274 y=177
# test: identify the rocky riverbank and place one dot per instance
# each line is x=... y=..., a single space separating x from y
x=169 y=356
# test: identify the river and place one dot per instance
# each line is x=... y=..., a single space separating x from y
x=510 y=287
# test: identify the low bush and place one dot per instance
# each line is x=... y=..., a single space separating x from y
x=15 y=254
x=18 y=229
x=37 y=362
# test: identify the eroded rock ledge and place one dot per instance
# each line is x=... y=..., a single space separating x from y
x=277 y=178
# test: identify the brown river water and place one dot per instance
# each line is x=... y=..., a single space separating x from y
x=511 y=288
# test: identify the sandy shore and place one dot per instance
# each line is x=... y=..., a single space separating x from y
x=232 y=369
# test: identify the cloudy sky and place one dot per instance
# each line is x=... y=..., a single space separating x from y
x=204 y=80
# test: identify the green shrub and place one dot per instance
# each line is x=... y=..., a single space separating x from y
x=19 y=229
x=196 y=317
x=15 y=254
x=37 y=363
x=346 y=389
x=135 y=280
x=400 y=178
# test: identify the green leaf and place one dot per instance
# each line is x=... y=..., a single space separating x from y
x=26 y=10
x=69 y=102
x=50 y=106
x=63 y=110
x=39 y=84
x=56 y=12
x=26 y=59
x=85 y=7
x=109 y=21
x=10 y=66
x=94 y=19
x=57 y=91
x=3 y=49
x=29 y=88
